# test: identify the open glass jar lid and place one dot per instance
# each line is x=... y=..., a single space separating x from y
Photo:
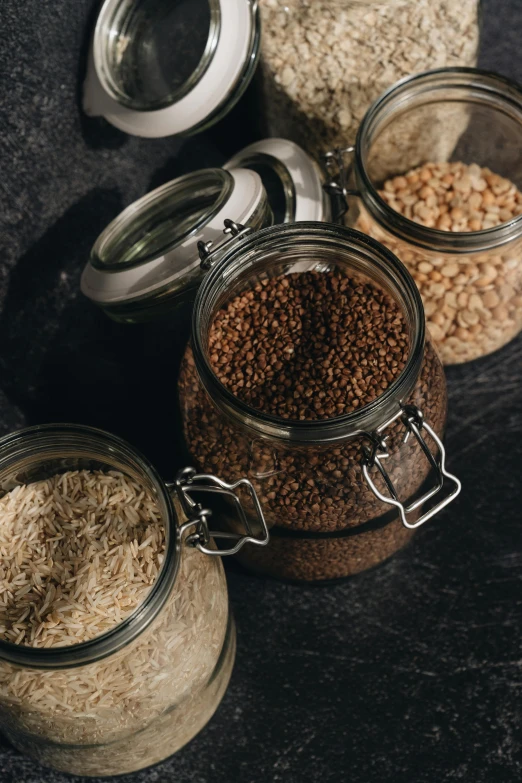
x=148 y=260
x=161 y=68
x=294 y=182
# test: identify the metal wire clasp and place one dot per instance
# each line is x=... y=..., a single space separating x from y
x=414 y=423
x=188 y=481
x=207 y=251
x=337 y=184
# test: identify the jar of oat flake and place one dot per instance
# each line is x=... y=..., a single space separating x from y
x=323 y=62
x=116 y=639
x=447 y=201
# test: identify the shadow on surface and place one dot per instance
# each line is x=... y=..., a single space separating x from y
x=62 y=359
x=96 y=132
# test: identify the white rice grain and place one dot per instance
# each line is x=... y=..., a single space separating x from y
x=57 y=541
x=71 y=572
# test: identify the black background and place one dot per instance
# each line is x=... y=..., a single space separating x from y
x=409 y=674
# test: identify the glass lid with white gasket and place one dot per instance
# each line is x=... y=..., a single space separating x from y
x=170 y=67
x=293 y=180
x=147 y=260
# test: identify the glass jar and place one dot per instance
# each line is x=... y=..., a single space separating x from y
x=137 y=693
x=470 y=280
x=158 y=68
x=339 y=494
x=147 y=262
x=323 y=64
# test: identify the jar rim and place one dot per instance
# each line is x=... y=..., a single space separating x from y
x=323 y=430
x=123 y=633
x=227 y=68
x=173 y=193
x=115 y=19
x=483 y=82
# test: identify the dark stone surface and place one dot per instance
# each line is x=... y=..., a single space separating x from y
x=409 y=674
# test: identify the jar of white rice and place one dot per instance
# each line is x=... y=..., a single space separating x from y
x=116 y=639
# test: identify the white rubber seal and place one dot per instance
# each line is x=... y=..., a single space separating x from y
x=225 y=68
x=311 y=202
x=111 y=287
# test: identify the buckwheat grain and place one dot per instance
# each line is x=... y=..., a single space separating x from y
x=307 y=347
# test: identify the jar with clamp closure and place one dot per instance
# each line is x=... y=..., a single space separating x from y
x=310 y=372
x=437 y=173
x=109 y=703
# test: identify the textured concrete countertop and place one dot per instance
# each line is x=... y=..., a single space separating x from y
x=409 y=674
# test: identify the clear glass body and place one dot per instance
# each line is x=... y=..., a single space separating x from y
x=325 y=522
x=154 y=51
x=323 y=64
x=166 y=222
x=470 y=281
x=136 y=694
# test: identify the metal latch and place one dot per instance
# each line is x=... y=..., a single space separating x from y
x=337 y=184
x=188 y=481
x=414 y=423
x=207 y=251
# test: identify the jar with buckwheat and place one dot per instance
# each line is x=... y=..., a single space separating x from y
x=310 y=372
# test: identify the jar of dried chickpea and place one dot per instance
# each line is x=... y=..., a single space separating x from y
x=450 y=207
x=116 y=639
x=324 y=62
